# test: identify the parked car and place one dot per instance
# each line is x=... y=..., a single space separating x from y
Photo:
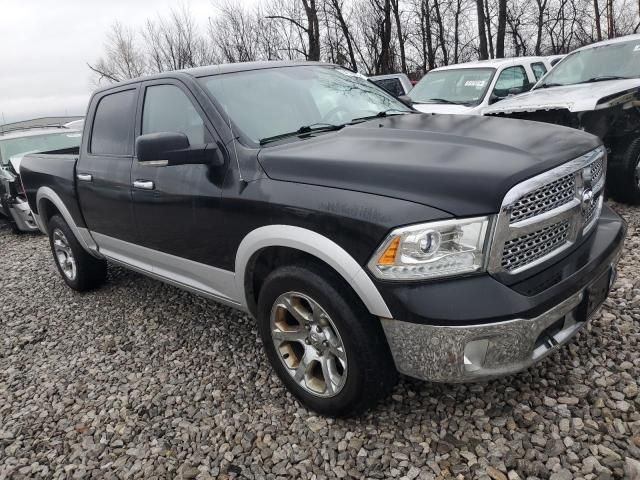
x=469 y=88
x=554 y=59
x=13 y=145
x=347 y=224
x=596 y=89
x=398 y=84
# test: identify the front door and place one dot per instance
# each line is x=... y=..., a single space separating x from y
x=170 y=201
x=103 y=174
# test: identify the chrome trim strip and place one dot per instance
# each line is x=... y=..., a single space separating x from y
x=320 y=247
x=199 y=278
x=82 y=234
x=505 y=230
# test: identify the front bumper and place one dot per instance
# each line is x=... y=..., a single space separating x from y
x=528 y=324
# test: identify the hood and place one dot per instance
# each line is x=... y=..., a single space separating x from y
x=445 y=108
x=575 y=98
x=460 y=164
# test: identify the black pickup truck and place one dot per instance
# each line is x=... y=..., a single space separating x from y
x=365 y=238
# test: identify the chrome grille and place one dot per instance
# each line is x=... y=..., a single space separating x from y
x=548 y=213
x=520 y=251
x=545 y=198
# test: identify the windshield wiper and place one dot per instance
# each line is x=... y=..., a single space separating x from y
x=444 y=100
x=384 y=113
x=304 y=130
x=550 y=85
x=604 y=78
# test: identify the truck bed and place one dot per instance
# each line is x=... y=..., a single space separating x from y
x=55 y=170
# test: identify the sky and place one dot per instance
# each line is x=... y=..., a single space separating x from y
x=46 y=45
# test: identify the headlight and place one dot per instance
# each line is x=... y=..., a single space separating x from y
x=436 y=249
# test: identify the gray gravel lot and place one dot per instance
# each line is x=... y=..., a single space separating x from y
x=142 y=380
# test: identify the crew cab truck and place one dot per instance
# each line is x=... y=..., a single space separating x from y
x=349 y=225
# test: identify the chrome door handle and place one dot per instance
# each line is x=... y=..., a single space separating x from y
x=144 y=184
x=84 y=177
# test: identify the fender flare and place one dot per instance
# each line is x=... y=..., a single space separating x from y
x=314 y=244
x=82 y=234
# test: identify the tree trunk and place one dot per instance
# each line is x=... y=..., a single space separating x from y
x=346 y=32
x=445 y=53
x=386 y=65
x=396 y=13
x=487 y=19
x=456 y=32
x=611 y=23
x=429 y=61
x=484 y=54
x=542 y=5
x=596 y=15
x=313 y=29
x=502 y=27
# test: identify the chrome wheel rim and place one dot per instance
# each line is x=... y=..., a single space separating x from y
x=308 y=344
x=64 y=255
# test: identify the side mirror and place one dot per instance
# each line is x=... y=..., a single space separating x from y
x=493 y=98
x=406 y=99
x=172 y=148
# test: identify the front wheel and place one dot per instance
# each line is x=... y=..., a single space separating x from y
x=80 y=270
x=624 y=182
x=322 y=342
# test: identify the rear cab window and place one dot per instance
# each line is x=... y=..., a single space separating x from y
x=112 y=130
x=391 y=85
x=539 y=70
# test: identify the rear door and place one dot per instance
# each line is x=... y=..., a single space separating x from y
x=103 y=174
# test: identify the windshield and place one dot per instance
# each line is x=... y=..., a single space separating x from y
x=272 y=102
x=464 y=86
x=38 y=143
x=604 y=62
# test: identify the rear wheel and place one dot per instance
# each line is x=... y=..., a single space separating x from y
x=80 y=270
x=624 y=182
x=322 y=342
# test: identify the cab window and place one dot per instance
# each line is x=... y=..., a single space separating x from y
x=168 y=109
x=510 y=78
x=539 y=70
x=113 y=124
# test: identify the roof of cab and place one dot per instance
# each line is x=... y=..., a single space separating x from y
x=210 y=70
x=626 y=38
x=493 y=63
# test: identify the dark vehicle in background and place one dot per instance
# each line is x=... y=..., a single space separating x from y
x=14 y=144
x=346 y=223
x=596 y=89
x=397 y=84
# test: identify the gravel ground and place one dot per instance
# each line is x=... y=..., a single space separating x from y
x=142 y=380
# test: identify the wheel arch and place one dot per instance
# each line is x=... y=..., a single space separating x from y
x=312 y=245
x=49 y=203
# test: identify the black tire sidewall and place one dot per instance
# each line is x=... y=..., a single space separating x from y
x=347 y=320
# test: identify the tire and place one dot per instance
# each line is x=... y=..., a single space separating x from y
x=624 y=184
x=354 y=351
x=80 y=270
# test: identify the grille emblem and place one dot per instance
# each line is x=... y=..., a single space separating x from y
x=587 y=193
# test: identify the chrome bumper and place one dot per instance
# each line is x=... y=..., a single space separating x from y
x=22 y=216
x=479 y=352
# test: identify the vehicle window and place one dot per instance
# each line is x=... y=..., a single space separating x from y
x=38 y=144
x=391 y=85
x=539 y=70
x=510 y=77
x=275 y=101
x=599 y=63
x=113 y=124
x=168 y=109
x=463 y=86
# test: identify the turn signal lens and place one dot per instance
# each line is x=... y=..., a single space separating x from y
x=388 y=257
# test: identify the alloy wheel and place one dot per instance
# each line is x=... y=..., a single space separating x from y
x=64 y=254
x=308 y=344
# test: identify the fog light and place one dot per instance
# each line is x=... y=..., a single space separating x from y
x=474 y=354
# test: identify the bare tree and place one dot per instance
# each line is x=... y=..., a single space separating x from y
x=502 y=28
x=123 y=59
x=482 y=33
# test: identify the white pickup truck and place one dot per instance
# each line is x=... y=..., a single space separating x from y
x=469 y=88
x=595 y=89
